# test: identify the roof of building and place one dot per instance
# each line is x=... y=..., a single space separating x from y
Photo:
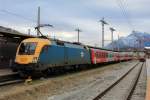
x=13 y=34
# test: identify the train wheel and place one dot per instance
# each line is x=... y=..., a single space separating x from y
x=22 y=74
x=14 y=70
x=45 y=73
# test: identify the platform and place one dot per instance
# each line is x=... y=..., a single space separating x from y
x=148 y=79
x=5 y=71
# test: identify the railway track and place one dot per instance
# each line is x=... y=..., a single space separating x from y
x=135 y=68
x=10 y=79
x=116 y=86
x=95 y=85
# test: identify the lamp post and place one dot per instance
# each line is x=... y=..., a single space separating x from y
x=78 y=30
x=103 y=22
x=112 y=38
x=118 y=43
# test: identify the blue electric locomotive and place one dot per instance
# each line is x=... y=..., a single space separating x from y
x=37 y=55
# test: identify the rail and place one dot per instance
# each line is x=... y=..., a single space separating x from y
x=99 y=96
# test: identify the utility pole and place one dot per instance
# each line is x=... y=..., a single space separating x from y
x=112 y=38
x=78 y=30
x=103 y=23
x=39 y=25
x=29 y=31
x=38 y=22
x=118 y=44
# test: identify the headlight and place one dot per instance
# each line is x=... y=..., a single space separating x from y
x=34 y=60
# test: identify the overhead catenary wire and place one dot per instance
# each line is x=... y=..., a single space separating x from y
x=17 y=15
x=20 y=16
x=128 y=13
x=123 y=6
x=124 y=11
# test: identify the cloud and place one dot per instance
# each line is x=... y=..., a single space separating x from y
x=67 y=15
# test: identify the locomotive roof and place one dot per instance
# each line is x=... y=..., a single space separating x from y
x=77 y=43
x=36 y=40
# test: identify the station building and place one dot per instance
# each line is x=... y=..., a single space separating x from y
x=9 y=41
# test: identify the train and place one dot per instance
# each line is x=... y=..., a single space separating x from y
x=42 y=55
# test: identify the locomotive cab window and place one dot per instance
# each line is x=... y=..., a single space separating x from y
x=27 y=48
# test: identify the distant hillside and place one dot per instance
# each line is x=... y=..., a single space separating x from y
x=134 y=40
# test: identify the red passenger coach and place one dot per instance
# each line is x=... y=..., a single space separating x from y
x=116 y=58
x=98 y=56
x=126 y=57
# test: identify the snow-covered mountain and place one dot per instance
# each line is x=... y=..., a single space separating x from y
x=134 y=40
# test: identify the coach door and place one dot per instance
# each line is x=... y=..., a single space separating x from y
x=65 y=55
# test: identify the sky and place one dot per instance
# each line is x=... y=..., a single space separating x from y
x=67 y=15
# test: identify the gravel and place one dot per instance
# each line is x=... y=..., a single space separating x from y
x=140 y=90
x=90 y=90
x=78 y=86
x=123 y=88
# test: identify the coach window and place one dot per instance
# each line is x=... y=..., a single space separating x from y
x=98 y=54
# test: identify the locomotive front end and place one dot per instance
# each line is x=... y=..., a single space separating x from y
x=28 y=52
